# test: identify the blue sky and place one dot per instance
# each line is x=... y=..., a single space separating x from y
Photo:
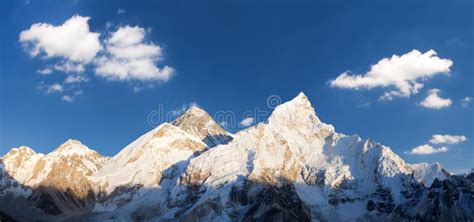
x=231 y=57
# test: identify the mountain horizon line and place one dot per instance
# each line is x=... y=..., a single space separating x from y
x=192 y=108
x=292 y=166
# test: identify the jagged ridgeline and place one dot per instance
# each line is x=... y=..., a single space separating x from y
x=292 y=168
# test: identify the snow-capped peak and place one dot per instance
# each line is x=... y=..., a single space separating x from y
x=196 y=110
x=302 y=96
x=144 y=161
x=19 y=161
x=72 y=147
x=299 y=115
x=171 y=173
x=296 y=110
x=26 y=149
x=427 y=173
x=302 y=99
x=17 y=158
x=22 y=150
x=199 y=123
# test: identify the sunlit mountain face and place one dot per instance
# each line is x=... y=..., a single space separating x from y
x=292 y=167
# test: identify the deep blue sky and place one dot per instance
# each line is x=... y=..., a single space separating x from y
x=232 y=56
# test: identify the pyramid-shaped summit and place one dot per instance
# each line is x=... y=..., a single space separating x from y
x=296 y=113
x=199 y=123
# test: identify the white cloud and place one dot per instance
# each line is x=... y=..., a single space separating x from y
x=180 y=110
x=437 y=139
x=72 y=43
x=71 y=97
x=72 y=40
x=75 y=79
x=405 y=73
x=364 y=105
x=447 y=139
x=67 y=98
x=129 y=57
x=194 y=104
x=427 y=149
x=434 y=101
x=121 y=11
x=54 y=88
x=466 y=101
x=247 y=122
x=69 y=67
x=108 y=24
x=69 y=92
x=45 y=71
x=78 y=92
x=72 y=47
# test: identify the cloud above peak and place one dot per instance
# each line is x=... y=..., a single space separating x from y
x=72 y=40
x=404 y=73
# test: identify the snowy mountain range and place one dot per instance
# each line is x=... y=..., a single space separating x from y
x=291 y=168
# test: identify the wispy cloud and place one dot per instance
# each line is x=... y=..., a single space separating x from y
x=466 y=101
x=69 y=91
x=70 y=67
x=121 y=11
x=180 y=110
x=75 y=79
x=54 y=88
x=67 y=98
x=405 y=73
x=45 y=71
x=364 y=105
x=71 y=97
x=247 y=122
x=456 y=41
